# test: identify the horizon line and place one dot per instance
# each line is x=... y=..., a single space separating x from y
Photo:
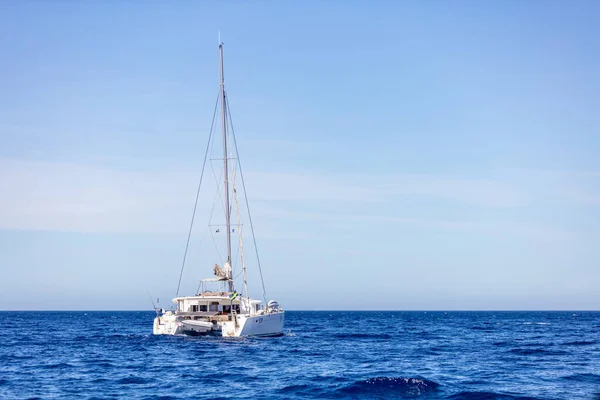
x=329 y=310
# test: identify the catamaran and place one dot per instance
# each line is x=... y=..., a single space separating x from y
x=222 y=310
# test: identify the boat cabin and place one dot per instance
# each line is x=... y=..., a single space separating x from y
x=214 y=305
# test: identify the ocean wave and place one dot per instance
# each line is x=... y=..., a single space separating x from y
x=362 y=336
x=299 y=390
x=61 y=365
x=581 y=343
x=306 y=391
x=407 y=387
x=482 y=328
x=294 y=388
x=16 y=358
x=587 y=378
x=537 y=351
x=133 y=380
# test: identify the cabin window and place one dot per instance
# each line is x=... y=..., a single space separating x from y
x=203 y=307
x=226 y=309
x=194 y=308
x=214 y=306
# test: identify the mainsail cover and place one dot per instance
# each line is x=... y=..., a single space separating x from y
x=223 y=273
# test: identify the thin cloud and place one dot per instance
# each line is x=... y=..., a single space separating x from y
x=76 y=197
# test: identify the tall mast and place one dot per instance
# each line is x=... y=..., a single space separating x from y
x=225 y=164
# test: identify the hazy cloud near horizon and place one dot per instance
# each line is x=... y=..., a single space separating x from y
x=82 y=198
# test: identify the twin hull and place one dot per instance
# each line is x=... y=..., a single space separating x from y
x=268 y=324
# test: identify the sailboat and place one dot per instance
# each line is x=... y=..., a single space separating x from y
x=222 y=310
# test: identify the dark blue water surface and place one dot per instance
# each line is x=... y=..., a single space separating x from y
x=354 y=355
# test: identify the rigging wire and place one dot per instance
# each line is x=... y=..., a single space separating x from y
x=217 y=194
x=239 y=163
x=215 y=242
x=187 y=244
x=240 y=249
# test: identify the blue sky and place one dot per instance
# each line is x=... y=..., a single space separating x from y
x=398 y=155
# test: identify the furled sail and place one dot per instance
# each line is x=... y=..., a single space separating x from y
x=219 y=273
x=228 y=271
x=223 y=273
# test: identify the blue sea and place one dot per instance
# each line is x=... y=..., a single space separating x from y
x=324 y=354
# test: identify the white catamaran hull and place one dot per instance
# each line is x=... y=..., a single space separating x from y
x=167 y=324
x=191 y=327
x=256 y=325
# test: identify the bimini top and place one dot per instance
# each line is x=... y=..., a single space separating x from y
x=220 y=279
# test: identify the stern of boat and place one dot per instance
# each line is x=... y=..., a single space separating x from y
x=270 y=324
x=166 y=324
